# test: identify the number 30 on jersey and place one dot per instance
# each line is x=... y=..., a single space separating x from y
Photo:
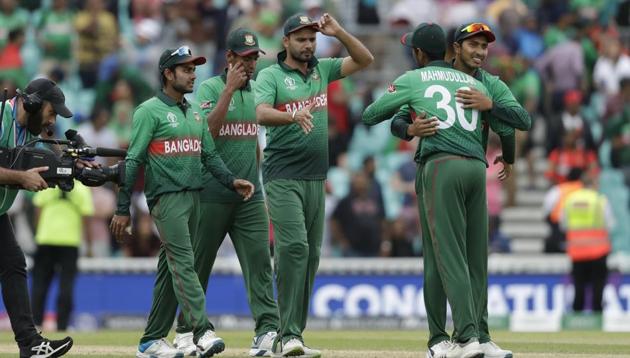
x=445 y=104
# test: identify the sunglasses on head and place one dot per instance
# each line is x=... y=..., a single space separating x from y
x=476 y=27
x=182 y=51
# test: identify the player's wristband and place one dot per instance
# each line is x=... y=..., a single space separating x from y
x=293 y=116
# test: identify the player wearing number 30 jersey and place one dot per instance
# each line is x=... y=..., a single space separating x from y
x=431 y=89
x=452 y=179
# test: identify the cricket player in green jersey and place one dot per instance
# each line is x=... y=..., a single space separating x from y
x=291 y=101
x=170 y=137
x=453 y=176
x=471 y=48
x=22 y=118
x=227 y=102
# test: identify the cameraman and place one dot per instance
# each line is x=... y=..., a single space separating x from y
x=23 y=118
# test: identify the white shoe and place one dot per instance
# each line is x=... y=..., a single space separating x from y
x=470 y=349
x=209 y=344
x=492 y=350
x=311 y=353
x=185 y=344
x=262 y=345
x=439 y=350
x=158 y=348
x=294 y=347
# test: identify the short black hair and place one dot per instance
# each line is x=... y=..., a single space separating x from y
x=434 y=56
x=163 y=78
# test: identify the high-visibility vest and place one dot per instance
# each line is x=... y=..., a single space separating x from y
x=565 y=189
x=587 y=235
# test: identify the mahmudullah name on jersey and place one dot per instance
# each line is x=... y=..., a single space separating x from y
x=176 y=146
x=241 y=130
x=321 y=101
x=449 y=76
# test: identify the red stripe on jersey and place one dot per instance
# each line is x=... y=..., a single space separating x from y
x=321 y=102
x=190 y=146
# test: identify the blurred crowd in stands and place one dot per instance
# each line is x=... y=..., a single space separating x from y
x=566 y=62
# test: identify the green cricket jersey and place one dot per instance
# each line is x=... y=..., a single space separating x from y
x=237 y=142
x=505 y=108
x=173 y=142
x=291 y=154
x=432 y=90
x=8 y=139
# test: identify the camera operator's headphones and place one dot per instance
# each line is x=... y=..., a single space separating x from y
x=33 y=102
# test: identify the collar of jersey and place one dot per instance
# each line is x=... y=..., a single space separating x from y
x=171 y=102
x=247 y=86
x=439 y=63
x=310 y=66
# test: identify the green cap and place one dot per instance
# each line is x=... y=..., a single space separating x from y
x=428 y=37
x=473 y=29
x=243 y=42
x=178 y=56
x=298 y=22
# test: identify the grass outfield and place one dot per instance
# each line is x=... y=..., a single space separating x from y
x=365 y=344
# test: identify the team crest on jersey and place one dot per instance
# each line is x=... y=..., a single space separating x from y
x=391 y=88
x=172 y=119
x=304 y=20
x=197 y=116
x=206 y=105
x=232 y=105
x=249 y=40
x=315 y=76
x=290 y=83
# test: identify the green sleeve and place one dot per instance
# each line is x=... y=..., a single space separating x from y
x=332 y=67
x=142 y=128
x=207 y=97
x=265 y=91
x=400 y=123
x=505 y=107
x=383 y=108
x=212 y=160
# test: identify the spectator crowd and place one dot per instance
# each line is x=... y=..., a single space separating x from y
x=566 y=62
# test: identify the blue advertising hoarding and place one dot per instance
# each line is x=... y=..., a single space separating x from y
x=345 y=295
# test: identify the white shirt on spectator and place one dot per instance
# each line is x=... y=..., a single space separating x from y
x=607 y=74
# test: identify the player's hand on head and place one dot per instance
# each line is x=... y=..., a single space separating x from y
x=328 y=25
x=304 y=118
x=236 y=76
x=244 y=188
x=31 y=180
x=506 y=171
x=474 y=99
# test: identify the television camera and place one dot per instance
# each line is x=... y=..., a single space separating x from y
x=61 y=162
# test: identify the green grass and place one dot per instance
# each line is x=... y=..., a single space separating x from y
x=365 y=343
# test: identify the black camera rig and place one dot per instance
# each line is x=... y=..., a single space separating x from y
x=62 y=162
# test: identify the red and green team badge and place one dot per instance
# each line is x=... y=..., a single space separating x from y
x=197 y=116
x=206 y=105
x=391 y=88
